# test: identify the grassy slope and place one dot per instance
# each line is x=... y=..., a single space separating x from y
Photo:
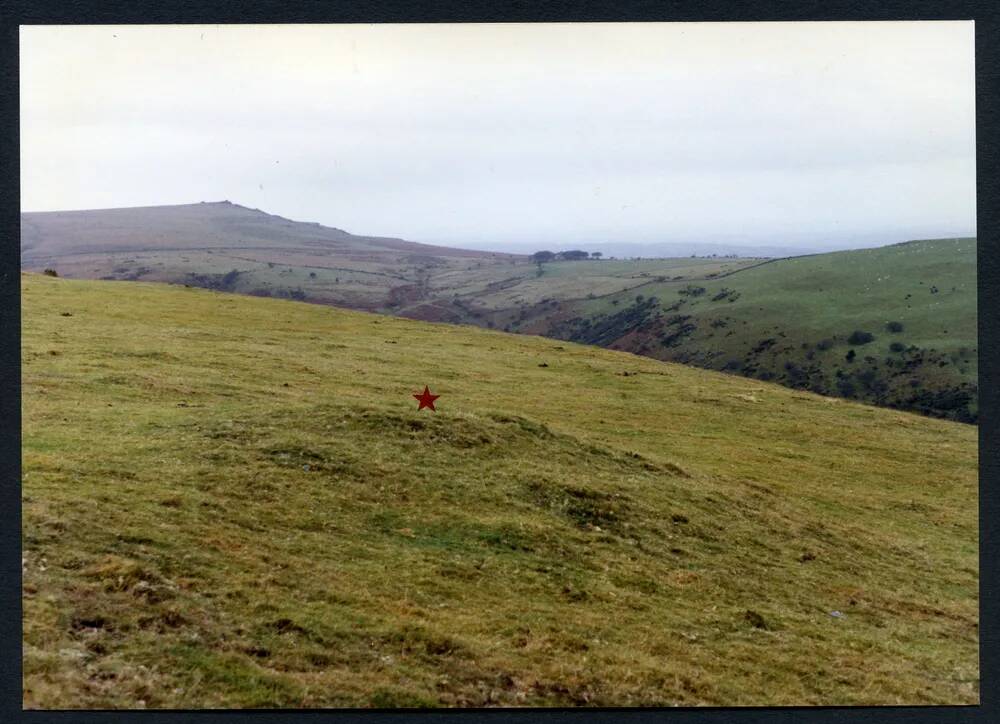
x=502 y=286
x=200 y=244
x=232 y=501
x=928 y=286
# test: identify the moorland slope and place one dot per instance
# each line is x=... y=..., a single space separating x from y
x=232 y=501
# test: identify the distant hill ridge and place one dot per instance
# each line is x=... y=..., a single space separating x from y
x=48 y=235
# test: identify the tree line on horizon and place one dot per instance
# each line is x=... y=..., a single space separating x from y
x=540 y=257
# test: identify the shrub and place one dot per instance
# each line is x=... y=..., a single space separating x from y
x=846 y=388
x=691 y=290
x=897 y=347
x=824 y=344
x=50 y=273
x=850 y=355
x=228 y=280
x=894 y=327
x=860 y=337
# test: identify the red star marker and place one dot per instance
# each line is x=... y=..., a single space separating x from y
x=426 y=399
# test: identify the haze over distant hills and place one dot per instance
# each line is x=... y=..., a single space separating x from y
x=776 y=245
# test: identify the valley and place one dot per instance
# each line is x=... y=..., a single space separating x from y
x=894 y=326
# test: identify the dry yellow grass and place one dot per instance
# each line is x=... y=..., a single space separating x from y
x=232 y=501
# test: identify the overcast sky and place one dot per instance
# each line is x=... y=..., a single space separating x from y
x=515 y=134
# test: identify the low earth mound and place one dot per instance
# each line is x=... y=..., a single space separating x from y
x=233 y=502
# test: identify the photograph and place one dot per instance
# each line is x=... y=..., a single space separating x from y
x=523 y=365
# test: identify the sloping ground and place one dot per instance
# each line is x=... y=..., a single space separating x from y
x=232 y=248
x=232 y=501
x=54 y=234
x=894 y=326
x=787 y=320
x=229 y=247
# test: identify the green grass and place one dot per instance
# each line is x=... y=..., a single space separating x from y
x=233 y=502
x=929 y=287
x=529 y=282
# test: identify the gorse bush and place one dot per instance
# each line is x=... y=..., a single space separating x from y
x=50 y=273
x=894 y=326
x=860 y=337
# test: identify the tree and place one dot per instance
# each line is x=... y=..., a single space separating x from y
x=540 y=257
x=596 y=255
x=50 y=273
x=573 y=255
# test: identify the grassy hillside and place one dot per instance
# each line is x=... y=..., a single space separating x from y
x=228 y=247
x=788 y=320
x=232 y=501
x=794 y=321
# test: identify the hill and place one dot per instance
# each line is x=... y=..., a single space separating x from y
x=51 y=235
x=231 y=501
x=788 y=320
x=894 y=326
x=233 y=248
x=229 y=247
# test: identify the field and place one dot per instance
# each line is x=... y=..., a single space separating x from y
x=231 y=501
